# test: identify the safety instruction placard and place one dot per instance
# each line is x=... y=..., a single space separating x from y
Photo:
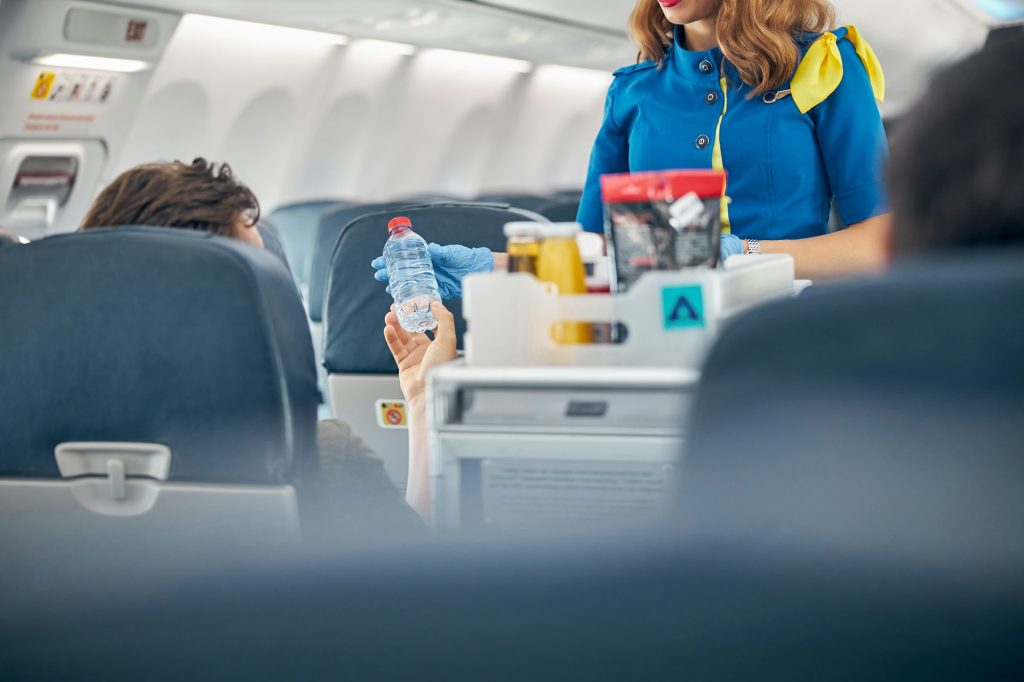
x=44 y=85
x=85 y=88
x=392 y=414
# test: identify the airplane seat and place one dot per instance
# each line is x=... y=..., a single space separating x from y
x=156 y=382
x=560 y=210
x=296 y=226
x=521 y=200
x=882 y=416
x=272 y=241
x=361 y=372
x=424 y=198
x=329 y=226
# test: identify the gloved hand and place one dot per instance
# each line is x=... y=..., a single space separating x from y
x=730 y=245
x=451 y=264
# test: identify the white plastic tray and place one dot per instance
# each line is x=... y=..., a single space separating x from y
x=671 y=318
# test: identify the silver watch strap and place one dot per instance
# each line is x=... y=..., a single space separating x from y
x=754 y=247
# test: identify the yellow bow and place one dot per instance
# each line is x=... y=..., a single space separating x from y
x=821 y=70
x=869 y=60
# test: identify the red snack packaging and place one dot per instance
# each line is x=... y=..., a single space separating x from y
x=664 y=220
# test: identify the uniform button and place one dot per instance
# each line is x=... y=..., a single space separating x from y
x=705 y=66
x=703 y=141
x=711 y=97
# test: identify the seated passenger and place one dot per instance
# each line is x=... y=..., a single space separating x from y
x=360 y=497
x=195 y=196
x=957 y=171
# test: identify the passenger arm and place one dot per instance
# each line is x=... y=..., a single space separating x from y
x=416 y=356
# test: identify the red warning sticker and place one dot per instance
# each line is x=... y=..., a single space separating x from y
x=391 y=414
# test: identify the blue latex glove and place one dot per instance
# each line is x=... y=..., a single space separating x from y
x=730 y=245
x=451 y=264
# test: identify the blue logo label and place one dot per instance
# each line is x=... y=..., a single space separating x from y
x=683 y=307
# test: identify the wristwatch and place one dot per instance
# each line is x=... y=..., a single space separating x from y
x=754 y=247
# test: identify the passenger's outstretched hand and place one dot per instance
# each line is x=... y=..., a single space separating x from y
x=415 y=354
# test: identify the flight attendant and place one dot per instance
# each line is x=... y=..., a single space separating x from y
x=760 y=89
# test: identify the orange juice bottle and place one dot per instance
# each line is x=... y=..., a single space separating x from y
x=559 y=262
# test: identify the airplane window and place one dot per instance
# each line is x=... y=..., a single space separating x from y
x=255 y=144
x=464 y=166
x=337 y=148
x=174 y=123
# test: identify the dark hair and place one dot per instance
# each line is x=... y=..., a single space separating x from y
x=196 y=196
x=957 y=171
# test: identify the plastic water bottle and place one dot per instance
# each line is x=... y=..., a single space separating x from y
x=411 y=275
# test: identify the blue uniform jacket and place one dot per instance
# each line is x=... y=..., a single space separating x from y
x=784 y=167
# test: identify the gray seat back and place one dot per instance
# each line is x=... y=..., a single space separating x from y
x=167 y=338
x=884 y=414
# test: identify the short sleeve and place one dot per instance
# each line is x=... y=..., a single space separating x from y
x=610 y=154
x=853 y=144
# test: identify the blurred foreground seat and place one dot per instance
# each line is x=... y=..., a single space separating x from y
x=171 y=372
x=850 y=510
x=633 y=609
x=884 y=414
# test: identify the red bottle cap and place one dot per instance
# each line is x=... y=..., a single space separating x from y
x=396 y=223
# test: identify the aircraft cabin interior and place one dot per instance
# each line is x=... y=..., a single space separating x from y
x=511 y=340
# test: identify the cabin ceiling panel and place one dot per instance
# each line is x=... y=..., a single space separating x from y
x=451 y=24
x=912 y=37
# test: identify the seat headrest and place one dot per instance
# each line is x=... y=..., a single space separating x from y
x=296 y=225
x=521 y=200
x=332 y=222
x=156 y=335
x=356 y=303
x=946 y=322
x=560 y=210
x=272 y=241
x=882 y=414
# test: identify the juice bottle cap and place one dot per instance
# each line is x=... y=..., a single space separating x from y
x=396 y=223
x=523 y=229
x=559 y=230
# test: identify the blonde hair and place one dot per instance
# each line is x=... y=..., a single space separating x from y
x=757 y=36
